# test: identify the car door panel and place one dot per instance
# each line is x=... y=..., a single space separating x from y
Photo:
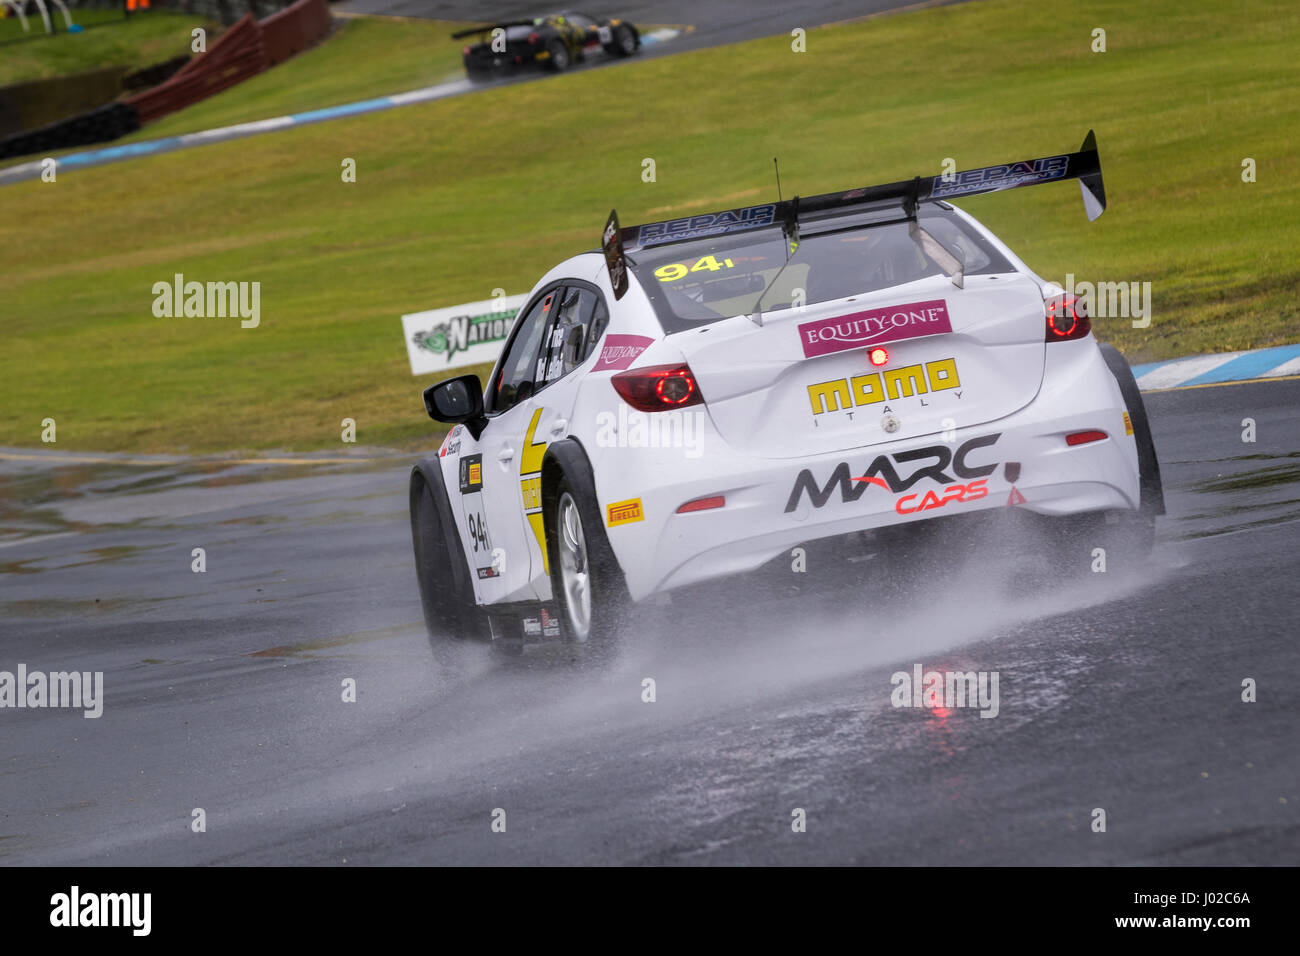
x=494 y=506
x=571 y=339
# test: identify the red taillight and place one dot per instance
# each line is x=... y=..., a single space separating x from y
x=1082 y=438
x=1067 y=318
x=658 y=388
x=533 y=38
x=702 y=504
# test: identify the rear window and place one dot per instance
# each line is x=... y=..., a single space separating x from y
x=694 y=283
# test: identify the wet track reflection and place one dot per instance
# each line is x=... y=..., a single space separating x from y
x=224 y=689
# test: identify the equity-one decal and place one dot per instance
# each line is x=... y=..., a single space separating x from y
x=882 y=472
x=619 y=351
x=873 y=326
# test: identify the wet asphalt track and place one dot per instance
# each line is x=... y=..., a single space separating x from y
x=223 y=689
x=710 y=22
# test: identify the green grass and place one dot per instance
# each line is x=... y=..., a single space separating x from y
x=108 y=41
x=458 y=197
x=364 y=59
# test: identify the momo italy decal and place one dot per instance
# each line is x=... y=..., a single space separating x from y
x=887 y=385
x=530 y=486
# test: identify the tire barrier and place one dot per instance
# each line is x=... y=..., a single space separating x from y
x=246 y=49
x=237 y=55
x=96 y=126
x=151 y=76
x=29 y=105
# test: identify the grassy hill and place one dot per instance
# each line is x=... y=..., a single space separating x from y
x=458 y=197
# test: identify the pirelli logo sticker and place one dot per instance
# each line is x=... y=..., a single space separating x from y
x=471 y=474
x=1128 y=424
x=624 y=512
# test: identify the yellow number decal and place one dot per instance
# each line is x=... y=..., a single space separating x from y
x=530 y=485
x=676 y=270
x=708 y=262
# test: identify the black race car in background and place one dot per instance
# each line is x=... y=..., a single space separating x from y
x=555 y=42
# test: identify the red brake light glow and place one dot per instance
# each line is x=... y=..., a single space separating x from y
x=658 y=388
x=1067 y=318
x=878 y=356
x=1082 y=438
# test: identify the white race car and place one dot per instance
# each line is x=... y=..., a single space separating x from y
x=706 y=394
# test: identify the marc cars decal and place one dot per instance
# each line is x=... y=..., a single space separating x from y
x=882 y=468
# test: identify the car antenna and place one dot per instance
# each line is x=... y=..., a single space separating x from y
x=790 y=234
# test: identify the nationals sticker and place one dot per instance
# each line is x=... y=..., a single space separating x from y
x=620 y=351
x=860 y=329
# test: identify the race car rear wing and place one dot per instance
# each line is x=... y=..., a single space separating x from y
x=1084 y=165
x=487 y=28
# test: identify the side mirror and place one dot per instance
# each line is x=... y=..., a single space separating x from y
x=457 y=401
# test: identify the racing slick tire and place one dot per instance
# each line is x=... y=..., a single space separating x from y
x=560 y=59
x=586 y=580
x=1152 y=488
x=623 y=41
x=446 y=591
x=1127 y=537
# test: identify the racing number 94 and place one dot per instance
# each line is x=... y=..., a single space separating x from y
x=678 y=270
x=478 y=531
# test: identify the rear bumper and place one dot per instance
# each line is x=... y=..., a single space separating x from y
x=502 y=64
x=766 y=513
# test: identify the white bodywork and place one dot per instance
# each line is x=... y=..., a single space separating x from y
x=757 y=432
